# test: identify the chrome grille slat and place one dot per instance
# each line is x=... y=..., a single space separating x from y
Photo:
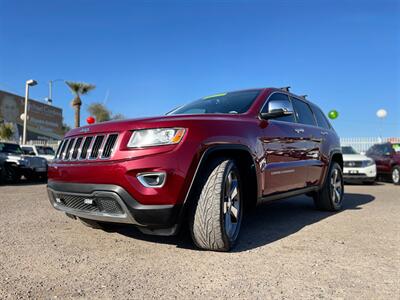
x=76 y=147
x=69 y=149
x=91 y=147
x=85 y=147
x=98 y=142
x=109 y=146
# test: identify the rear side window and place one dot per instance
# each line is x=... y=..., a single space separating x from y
x=321 y=119
x=280 y=97
x=303 y=112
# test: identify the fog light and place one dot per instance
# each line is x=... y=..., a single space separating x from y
x=152 y=179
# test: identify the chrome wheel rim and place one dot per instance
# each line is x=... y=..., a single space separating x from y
x=336 y=186
x=232 y=205
x=395 y=175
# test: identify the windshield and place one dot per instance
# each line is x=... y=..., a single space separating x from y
x=348 y=150
x=10 y=148
x=226 y=103
x=396 y=147
x=45 y=150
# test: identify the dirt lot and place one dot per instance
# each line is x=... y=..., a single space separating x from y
x=286 y=250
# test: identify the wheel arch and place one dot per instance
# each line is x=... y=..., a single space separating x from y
x=242 y=156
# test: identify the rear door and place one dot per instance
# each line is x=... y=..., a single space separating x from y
x=323 y=135
x=311 y=140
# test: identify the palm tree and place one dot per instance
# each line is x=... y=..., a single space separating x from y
x=78 y=89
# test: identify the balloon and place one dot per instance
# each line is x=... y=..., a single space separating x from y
x=381 y=113
x=90 y=120
x=333 y=114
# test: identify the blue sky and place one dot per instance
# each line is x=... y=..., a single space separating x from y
x=150 y=56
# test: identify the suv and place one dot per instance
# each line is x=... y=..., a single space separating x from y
x=17 y=164
x=45 y=152
x=200 y=165
x=387 y=159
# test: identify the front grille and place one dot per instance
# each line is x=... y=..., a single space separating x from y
x=87 y=147
x=99 y=204
x=353 y=164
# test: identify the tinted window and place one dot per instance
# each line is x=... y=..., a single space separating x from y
x=321 y=119
x=10 y=148
x=303 y=112
x=226 y=103
x=280 y=97
x=348 y=150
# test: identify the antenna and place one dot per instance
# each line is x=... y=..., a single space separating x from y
x=286 y=88
x=106 y=97
x=304 y=96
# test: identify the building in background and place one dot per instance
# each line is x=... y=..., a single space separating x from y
x=44 y=121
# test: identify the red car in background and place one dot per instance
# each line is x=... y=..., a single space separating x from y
x=200 y=165
x=387 y=160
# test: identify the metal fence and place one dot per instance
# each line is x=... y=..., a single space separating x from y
x=362 y=144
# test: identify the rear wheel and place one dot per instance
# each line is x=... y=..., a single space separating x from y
x=216 y=217
x=396 y=175
x=330 y=196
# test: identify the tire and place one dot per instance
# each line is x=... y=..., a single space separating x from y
x=217 y=214
x=330 y=196
x=12 y=174
x=396 y=175
x=2 y=175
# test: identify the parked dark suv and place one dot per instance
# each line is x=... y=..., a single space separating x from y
x=200 y=165
x=387 y=160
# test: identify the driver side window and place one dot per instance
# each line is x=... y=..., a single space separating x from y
x=280 y=97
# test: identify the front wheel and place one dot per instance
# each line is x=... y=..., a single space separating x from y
x=216 y=217
x=396 y=175
x=330 y=196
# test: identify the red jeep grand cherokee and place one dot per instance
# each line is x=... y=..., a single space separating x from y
x=199 y=165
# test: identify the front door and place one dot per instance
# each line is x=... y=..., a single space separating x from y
x=284 y=148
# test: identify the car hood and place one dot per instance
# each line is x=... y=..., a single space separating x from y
x=355 y=157
x=151 y=122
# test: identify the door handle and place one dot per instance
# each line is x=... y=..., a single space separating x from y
x=299 y=130
x=324 y=132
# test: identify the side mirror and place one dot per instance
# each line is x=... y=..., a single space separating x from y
x=277 y=109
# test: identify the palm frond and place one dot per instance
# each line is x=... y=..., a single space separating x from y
x=80 y=88
x=86 y=88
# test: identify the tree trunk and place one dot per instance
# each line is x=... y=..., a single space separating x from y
x=77 y=116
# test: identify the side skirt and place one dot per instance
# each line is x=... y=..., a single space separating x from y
x=288 y=194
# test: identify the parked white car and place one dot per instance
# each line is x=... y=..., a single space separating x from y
x=357 y=167
x=41 y=151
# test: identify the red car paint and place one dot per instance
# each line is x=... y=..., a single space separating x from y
x=385 y=156
x=285 y=159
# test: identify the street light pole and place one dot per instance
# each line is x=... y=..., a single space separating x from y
x=50 y=98
x=50 y=91
x=28 y=83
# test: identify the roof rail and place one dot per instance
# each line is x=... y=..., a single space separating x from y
x=285 y=88
x=304 y=96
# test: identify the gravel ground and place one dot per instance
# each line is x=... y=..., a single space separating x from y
x=286 y=250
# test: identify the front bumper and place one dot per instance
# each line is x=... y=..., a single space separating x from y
x=111 y=203
x=359 y=174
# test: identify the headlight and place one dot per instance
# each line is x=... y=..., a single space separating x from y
x=155 y=137
x=367 y=163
